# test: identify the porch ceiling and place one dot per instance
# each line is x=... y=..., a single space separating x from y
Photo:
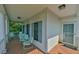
x=25 y=11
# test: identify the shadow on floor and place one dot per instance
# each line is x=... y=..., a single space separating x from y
x=15 y=47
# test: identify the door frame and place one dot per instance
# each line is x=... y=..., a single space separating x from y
x=33 y=30
x=73 y=36
x=42 y=46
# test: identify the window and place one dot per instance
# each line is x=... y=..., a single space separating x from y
x=68 y=33
x=23 y=28
x=38 y=31
x=28 y=29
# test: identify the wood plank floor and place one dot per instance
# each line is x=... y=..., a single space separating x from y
x=60 y=49
x=15 y=47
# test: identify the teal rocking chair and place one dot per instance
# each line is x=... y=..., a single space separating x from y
x=24 y=38
x=27 y=43
x=11 y=35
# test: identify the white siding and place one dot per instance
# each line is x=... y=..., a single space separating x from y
x=72 y=20
x=53 y=29
x=2 y=35
x=39 y=17
x=3 y=30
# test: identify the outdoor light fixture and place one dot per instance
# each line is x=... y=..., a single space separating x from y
x=62 y=6
x=18 y=17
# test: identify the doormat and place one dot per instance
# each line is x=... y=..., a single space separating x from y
x=70 y=46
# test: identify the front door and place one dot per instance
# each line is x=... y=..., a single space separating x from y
x=38 y=31
x=68 y=33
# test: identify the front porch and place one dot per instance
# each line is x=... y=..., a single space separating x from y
x=43 y=29
x=15 y=47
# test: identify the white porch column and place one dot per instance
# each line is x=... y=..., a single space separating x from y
x=6 y=28
x=2 y=34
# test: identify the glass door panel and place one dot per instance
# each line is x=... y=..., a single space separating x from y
x=28 y=29
x=23 y=28
x=68 y=33
x=38 y=31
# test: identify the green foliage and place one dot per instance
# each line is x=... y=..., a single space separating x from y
x=14 y=26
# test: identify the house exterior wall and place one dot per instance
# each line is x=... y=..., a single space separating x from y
x=2 y=34
x=72 y=20
x=3 y=29
x=55 y=27
x=41 y=16
x=53 y=30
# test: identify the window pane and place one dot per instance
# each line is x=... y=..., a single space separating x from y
x=38 y=31
x=68 y=32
